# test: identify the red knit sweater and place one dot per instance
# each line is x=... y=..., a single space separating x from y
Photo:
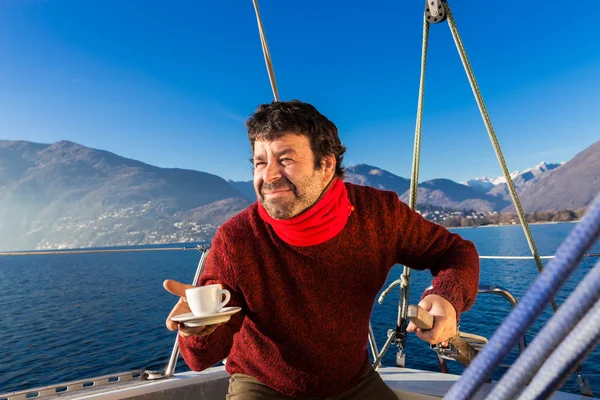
x=305 y=319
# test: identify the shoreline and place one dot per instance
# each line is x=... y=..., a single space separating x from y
x=515 y=224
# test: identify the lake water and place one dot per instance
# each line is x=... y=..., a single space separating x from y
x=68 y=317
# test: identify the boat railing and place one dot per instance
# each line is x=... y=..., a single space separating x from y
x=73 y=386
x=486 y=289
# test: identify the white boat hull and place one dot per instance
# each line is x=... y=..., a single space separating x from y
x=408 y=384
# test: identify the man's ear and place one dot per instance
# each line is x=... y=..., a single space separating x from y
x=329 y=165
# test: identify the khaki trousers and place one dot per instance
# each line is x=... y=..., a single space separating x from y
x=370 y=386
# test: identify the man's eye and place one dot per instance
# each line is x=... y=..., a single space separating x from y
x=259 y=164
x=286 y=160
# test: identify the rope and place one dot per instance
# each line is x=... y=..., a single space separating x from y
x=404 y=280
x=568 y=256
x=267 y=54
x=490 y=129
x=386 y=346
x=414 y=180
x=568 y=315
x=565 y=359
x=403 y=301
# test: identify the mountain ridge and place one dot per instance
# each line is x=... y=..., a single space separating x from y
x=47 y=191
x=66 y=194
x=560 y=190
x=498 y=187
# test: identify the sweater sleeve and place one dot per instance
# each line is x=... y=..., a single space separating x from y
x=203 y=352
x=453 y=261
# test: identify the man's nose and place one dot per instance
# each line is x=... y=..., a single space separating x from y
x=271 y=172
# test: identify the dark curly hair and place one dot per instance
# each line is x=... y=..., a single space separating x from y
x=272 y=121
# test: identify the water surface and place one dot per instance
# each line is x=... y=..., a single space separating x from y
x=69 y=317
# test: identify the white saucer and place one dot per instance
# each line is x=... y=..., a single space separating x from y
x=190 y=320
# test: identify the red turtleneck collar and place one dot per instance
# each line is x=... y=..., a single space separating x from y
x=321 y=222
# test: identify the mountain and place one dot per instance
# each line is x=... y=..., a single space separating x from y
x=572 y=186
x=537 y=172
x=482 y=184
x=367 y=175
x=65 y=194
x=246 y=188
x=445 y=193
x=523 y=180
x=437 y=192
x=497 y=186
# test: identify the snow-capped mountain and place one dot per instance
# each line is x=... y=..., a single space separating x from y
x=485 y=184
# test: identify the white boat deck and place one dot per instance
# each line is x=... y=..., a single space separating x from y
x=408 y=384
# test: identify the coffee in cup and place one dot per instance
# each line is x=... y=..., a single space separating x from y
x=204 y=300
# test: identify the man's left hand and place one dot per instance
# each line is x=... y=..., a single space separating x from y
x=444 y=320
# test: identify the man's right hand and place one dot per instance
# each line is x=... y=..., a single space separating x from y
x=182 y=307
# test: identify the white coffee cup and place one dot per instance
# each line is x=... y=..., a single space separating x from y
x=207 y=299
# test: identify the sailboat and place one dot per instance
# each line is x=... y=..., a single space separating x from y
x=469 y=349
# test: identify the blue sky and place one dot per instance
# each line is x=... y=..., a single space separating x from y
x=170 y=83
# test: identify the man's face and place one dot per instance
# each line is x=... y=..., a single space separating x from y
x=285 y=178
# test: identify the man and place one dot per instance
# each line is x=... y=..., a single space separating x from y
x=306 y=262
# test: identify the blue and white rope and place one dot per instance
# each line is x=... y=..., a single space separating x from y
x=568 y=315
x=565 y=359
x=541 y=292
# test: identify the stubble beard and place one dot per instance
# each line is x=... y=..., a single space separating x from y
x=286 y=207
